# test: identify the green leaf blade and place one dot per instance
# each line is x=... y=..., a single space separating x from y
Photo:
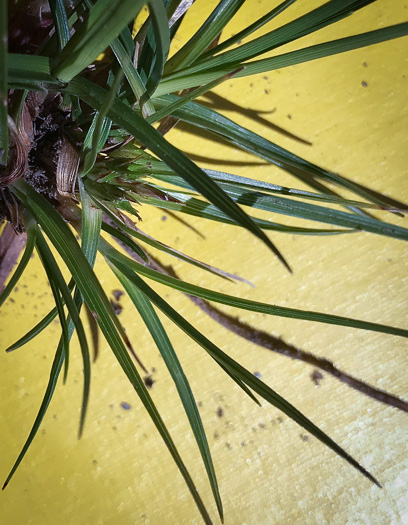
x=166 y=349
x=240 y=373
x=73 y=309
x=245 y=304
x=107 y=18
x=247 y=140
x=89 y=286
x=141 y=130
x=162 y=44
x=248 y=30
x=133 y=77
x=324 y=15
x=61 y=21
x=54 y=374
x=211 y=28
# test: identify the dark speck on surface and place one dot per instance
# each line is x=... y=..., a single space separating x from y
x=304 y=437
x=316 y=377
x=117 y=308
x=125 y=405
x=164 y=218
x=257 y=374
x=364 y=83
x=117 y=294
x=220 y=412
x=148 y=381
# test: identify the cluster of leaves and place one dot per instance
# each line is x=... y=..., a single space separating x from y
x=92 y=120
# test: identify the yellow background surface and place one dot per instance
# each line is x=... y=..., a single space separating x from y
x=353 y=110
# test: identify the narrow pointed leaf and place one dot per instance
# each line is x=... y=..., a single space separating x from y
x=49 y=268
x=53 y=270
x=211 y=28
x=206 y=72
x=199 y=208
x=334 y=47
x=245 y=139
x=169 y=110
x=238 y=183
x=64 y=241
x=141 y=130
x=61 y=21
x=252 y=381
x=322 y=16
x=166 y=349
x=54 y=374
x=36 y=330
x=138 y=234
x=162 y=44
x=248 y=30
x=304 y=210
x=90 y=234
x=119 y=235
x=107 y=18
x=39 y=327
x=98 y=137
x=132 y=76
x=237 y=302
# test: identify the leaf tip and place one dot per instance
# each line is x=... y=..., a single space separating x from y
x=81 y=430
x=5 y=484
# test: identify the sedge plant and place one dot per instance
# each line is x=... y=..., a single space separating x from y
x=88 y=91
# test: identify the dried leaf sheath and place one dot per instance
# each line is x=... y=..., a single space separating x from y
x=67 y=168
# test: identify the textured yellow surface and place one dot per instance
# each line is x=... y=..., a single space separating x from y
x=353 y=109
